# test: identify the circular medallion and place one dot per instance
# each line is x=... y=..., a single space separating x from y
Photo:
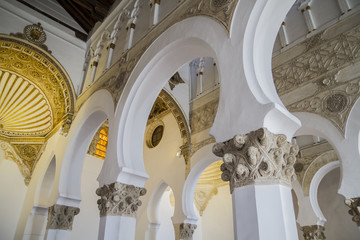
x=35 y=34
x=336 y=102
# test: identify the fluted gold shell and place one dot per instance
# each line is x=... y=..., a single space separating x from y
x=24 y=109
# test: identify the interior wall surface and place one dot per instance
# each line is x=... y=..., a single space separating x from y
x=86 y=224
x=217 y=219
x=339 y=224
x=162 y=165
x=65 y=47
x=12 y=193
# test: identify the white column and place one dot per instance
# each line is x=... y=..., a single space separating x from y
x=93 y=70
x=36 y=223
x=309 y=18
x=156 y=11
x=110 y=55
x=344 y=6
x=118 y=204
x=151 y=231
x=259 y=167
x=284 y=40
x=263 y=212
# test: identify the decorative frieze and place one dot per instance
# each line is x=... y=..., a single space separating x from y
x=313 y=232
x=203 y=117
x=259 y=157
x=61 y=217
x=118 y=199
x=354 y=205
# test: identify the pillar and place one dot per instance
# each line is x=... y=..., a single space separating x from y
x=60 y=220
x=118 y=205
x=259 y=167
x=36 y=223
x=184 y=231
x=309 y=18
x=313 y=232
x=354 y=205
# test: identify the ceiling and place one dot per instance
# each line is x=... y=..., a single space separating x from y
x=77 y=15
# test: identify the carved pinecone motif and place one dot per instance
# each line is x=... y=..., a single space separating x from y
x=61 y=217
x=187 y=230
x=257 y=157
x=118 y=199
x=354 y=205
x=313 y=232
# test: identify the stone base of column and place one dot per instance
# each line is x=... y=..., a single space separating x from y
x=313 y=232
x=184 y=231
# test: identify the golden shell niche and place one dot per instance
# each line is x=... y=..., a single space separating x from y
x=36 y=98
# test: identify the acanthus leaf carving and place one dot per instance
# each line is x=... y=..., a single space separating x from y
x=61 y=217
x=118 y=199
x=259 y=157
x=313 y=232
x=354 y=205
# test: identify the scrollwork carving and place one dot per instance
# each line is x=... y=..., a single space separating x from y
x=259 y=157
x=61 y=217
x=187 y=230
x=313 y=232
x=354 y=205
x=118 y=199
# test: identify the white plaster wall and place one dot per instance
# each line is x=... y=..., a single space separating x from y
x=162 y=165
x=65 y=47
x=12 y=193
x=166 y=211
x=86 y=224
x=339 y=224
x=217 y=219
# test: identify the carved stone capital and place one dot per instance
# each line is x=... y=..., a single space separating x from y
x=61 y=217
x=187 y=230
x=259 y=157
x=313 y=232
x=354 y=205
x=184 y=231
x=118 y=199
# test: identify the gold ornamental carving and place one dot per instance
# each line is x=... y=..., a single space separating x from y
x=36 y=97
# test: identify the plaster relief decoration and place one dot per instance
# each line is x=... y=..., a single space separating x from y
x=61 y=217
x=118 y=199
x=354 y=205
x=203 y=117
x=36 y=98
x=207 y=186
x=318 y=67
x=115 y=78
x=187 y=230
x=35 y=34
x=259 y=157
x=313 y=232
x=314 y=166
x=175 y=80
